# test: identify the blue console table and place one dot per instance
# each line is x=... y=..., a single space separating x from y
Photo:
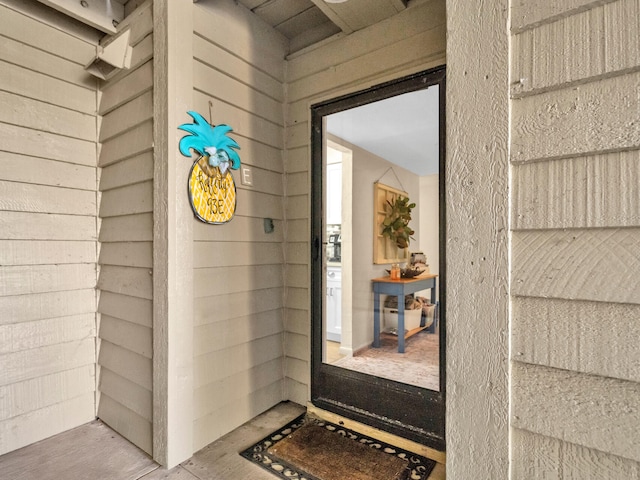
x=400 y=288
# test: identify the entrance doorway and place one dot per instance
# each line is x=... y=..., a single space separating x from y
x=378 y=353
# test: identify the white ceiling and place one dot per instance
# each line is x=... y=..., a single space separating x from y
x=402 y=129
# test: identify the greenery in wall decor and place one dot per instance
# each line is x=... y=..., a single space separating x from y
x=396 y=223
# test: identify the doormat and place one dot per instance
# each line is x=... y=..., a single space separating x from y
x=308 y=448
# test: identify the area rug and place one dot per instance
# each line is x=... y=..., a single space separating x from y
x=418 y=365
x=312 y=449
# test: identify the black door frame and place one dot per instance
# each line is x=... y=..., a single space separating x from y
x=404 y=410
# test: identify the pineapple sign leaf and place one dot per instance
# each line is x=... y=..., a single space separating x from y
x=212 y=190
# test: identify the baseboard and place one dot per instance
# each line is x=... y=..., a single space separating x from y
x=389 y=438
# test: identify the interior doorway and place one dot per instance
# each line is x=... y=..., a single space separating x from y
x=378 y=352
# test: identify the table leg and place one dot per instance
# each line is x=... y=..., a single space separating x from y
x=432 y=328
x=376 y=320
x=400 y=324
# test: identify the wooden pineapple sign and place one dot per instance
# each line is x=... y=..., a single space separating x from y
x=212 y=190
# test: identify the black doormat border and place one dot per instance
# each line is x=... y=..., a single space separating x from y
x=421 y=467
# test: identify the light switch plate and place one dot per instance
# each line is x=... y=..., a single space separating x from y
x=246 y=176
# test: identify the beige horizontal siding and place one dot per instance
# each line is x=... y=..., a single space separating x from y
x=129 y=335
x=261 y=205
x=244 y=36
x=528 y=15
x=236 y=279
x=24 y=197
x=297 y=252
x=298 y=370
x=16 y=139
x=250 y=229
x=248 y=98
x=218 y=308
x=244 y=123
x=27 y=308
x=297 y=346
x=238 y=69
x=127 y=172
x=17 y=52
x=129 y=228
x=297 y=322
x=49 y=172
x=584 y=336
x=126 y=232
x=575 y=212
x=233 y=388
x=43 y=116
x=297 y=392
x=297 y=207
x=604 y=48
x=238 y=253
x=127 y=116
x=576 y=192
x=595 y=412
x=26 y=396
x=133 y=281
x=219 y=364
x=29 y=364
x=127 y=200
x=539 y=457
x=43 y=252
x=127 y=393
x=211 y=54
x=43 y=226
x=596 y=265
x=27 y=279
x=25 y=429
x=408 y=53
x=298 y=298
x=55 y=41
x=231 y=415
x=38 y=86
x=125 y=307
x=597 y=117
x=17 y=337
x=126 y=422
x=127 y=254
x=221 y=334
x=131 y=143
x=124 y=89
x=126 y=364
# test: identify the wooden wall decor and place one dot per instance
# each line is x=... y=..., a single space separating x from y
x=212 y=190
x=385 y=250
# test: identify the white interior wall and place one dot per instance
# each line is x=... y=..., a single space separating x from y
x=368 y=168
x=429 y=221
x=412 y=41
x=48 y=232
x=238 y=75
x=126 y=240
x=575 y=215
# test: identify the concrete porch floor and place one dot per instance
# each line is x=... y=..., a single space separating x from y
x=95 y=452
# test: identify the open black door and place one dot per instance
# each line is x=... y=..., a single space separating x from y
x=349 y=174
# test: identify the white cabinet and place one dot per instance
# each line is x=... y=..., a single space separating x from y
x=334 y=194
x=334 y=304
